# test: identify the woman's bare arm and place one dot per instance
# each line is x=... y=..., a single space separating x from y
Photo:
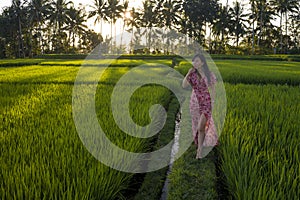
x=185 y=82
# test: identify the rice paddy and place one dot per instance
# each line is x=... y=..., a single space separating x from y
x=42 y=156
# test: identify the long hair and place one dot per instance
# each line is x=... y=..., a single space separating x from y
x=205 y=66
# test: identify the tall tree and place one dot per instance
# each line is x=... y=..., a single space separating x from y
x=149 y=9
x=198 y=13
x=261 y=7
x=284 y=7
x=8 y=33
x=221 y=28
x=125 y=15
x=169 y=13
x=58 y=19
x=38 y=13
x=134 y=22
x=114 y=10
x=295 y=29
x=239 y=20
x=75 y=23
x=18 y=9
x=253 y=17
x=99 y=9
x=265 y=26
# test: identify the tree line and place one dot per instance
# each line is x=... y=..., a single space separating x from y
x=33 y=27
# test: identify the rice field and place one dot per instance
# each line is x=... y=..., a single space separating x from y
x=42 y=157
x=260 y=143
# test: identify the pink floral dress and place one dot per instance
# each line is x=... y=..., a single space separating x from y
x=201 y=103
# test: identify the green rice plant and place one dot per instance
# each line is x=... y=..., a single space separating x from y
x=276 y=57
x=118 y=62
x=255 y=72
x=192 y=179
x=37 y=75
x=42 y=156
x=19 y=62
x=260 y=143
x=153 y=182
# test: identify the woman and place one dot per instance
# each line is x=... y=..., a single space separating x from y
x=201 y=78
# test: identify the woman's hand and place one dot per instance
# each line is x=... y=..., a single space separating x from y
x=191 y=70
x=185 y=82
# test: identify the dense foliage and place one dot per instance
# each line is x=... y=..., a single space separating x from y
x=30 y=28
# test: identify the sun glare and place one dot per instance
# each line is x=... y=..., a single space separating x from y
x=127 y=15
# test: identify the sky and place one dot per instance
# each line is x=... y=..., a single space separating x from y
x=106 y=28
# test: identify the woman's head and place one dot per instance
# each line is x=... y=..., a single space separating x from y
x=199 y=62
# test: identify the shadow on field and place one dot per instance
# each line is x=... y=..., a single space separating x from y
x=221 y=183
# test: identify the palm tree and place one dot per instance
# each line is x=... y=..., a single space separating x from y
x=114 y=10
x=17 y=8
x=149 y=10
x=99 y=9
x=266 y=27
x=198 y=14
x=284 y=7
x=239 y=19
x=221 y=27
x=253 y=17
x=125 y=19
x=9 y=33
x=58 y=17
x=261 y=7
x=38 y=12
x=134 y=22
x=170 y=13
x=295 y=29
x=75 y=23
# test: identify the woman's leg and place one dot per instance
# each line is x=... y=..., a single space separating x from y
x=201 y=135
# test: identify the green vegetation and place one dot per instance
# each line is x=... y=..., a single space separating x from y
x=193 y=179
x=61 y=27
x=153 y=182
x=274 y=57
x=259 y=143
x=255 y=71
x=41 y=153
x=43 y=157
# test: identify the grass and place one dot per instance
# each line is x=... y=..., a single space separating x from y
x=259 y=144
x=260 y=151
x=153 y=182
x=255 y=72
x=104 y=62
x=274 y=57
x=37 y=75
x=277 y=57
x=43 y=157
x=193 y=179
x=19 y=62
